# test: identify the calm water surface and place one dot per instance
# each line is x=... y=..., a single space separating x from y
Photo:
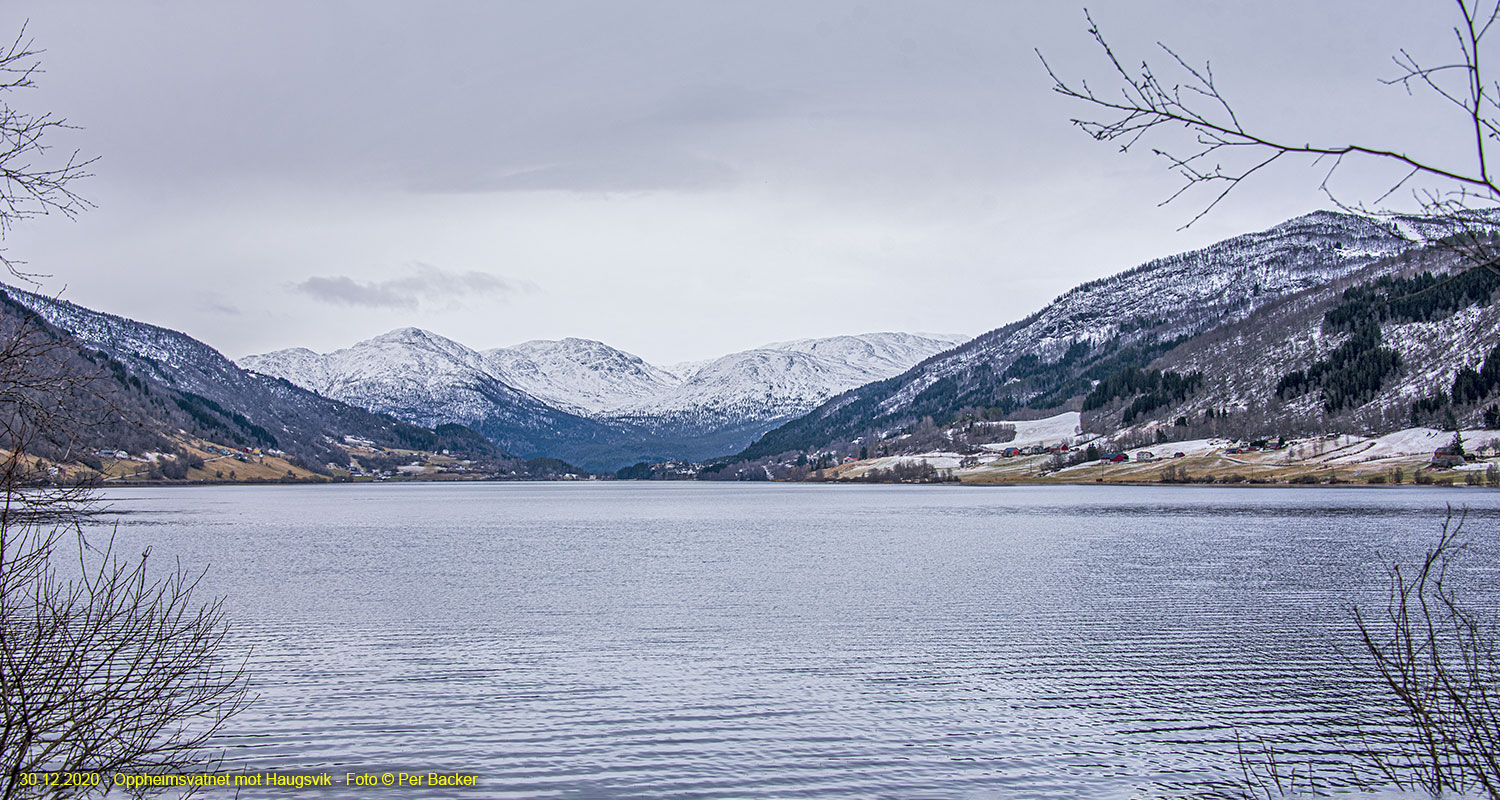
x=696 y=640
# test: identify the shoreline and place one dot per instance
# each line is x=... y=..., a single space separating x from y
x=842 y=483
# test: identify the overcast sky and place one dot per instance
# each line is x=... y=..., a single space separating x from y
x=680 y=179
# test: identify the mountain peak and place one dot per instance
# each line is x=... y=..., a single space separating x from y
x=421 y=376
x=409 y=334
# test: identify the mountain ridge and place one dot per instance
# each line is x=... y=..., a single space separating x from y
x=606 y=406
x=1053 y=357
x=163 y=381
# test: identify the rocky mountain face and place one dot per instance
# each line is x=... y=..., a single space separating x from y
x=1253 y=304
x=158 y=380
x=1381 y=350
x=592 y=404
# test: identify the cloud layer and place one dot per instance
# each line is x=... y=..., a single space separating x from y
x=685 y=179
x=427 y=285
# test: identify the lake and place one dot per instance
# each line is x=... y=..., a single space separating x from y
x=631 y=640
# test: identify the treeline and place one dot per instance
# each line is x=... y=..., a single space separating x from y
x=1418 y=298
x=1350 y=376
x=232 y=426
x=1473 y=385
x=1030 y=382
x=457 y=439
x=1355 y=371
x=1152 y=389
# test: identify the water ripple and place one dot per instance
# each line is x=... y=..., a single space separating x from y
x=631 y=641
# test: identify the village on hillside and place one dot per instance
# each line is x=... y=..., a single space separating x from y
x=1055 y=450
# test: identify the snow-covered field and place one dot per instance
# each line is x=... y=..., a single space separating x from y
x=1411 y=442
x=1407 y=448
x=1191 y=447
x=1405 y=445
x=938 y=460
x=1061 y=429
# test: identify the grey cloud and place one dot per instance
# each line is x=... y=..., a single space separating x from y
x=427 y=285
x=215 y=302
x=810 y=141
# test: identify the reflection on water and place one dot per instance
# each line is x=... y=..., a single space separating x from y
x=688 y=640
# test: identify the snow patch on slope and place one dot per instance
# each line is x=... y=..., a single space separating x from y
x=1061 y=429
x=579 y=375
x=411 y=373
x=785 y=379
x=427 y=378
x=1179 y=295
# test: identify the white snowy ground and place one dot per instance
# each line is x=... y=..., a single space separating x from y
x=1401 y=444
x=1191 y=447
x=1061 y=429
x=1413 y=444
x=939 y=460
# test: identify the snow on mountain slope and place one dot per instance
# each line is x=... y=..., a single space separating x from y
x=414 y=374
x=579 y=375
x=879 y=355
x=709 y=409
x=217 y=398
x=1243 y=364
x=1105 y=325
x=298 y=365
x=752 y=383
x=409 y=370
x=682 y=370
x=1180 y=295
x=785 y=379
x=160 y=352
x=424 y=378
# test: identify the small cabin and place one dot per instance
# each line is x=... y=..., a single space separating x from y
x=1445 y=458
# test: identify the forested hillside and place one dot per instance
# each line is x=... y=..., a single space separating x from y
x=1326 y=320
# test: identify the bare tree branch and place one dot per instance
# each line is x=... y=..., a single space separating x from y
x=32 y=183
x=120 y=667
x=1222 y=151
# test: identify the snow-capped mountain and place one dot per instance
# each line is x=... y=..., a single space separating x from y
x=878 y=355
x=168 y=380
x=579 y=375
x=783 y=379
x=427 y=379
x=1106 y=325
x=633 y=409
x=410 y=373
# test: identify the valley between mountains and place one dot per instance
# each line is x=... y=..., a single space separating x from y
x=590 y=404
x=1247 y=357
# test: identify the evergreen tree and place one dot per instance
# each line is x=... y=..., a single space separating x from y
x=1456 y=447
